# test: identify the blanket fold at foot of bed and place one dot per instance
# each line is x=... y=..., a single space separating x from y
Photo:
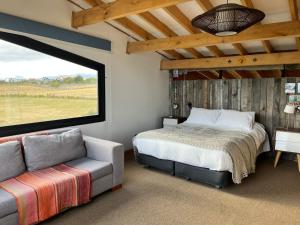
x=44 y=193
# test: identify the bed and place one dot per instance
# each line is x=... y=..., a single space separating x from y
x=216 y=147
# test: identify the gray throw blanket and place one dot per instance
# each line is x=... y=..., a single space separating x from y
x=240 y=146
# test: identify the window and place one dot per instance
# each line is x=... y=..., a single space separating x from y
x=43 y=87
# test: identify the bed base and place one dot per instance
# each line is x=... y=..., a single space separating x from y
x=218 y=179
x=160 y=164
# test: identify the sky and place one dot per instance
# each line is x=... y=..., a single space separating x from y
x=16 y=61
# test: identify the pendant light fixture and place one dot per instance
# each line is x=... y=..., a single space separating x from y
x=227 y=19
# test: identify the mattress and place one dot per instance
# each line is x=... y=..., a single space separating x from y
x=213 y=159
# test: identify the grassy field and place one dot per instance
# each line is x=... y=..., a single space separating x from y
x=23 y=103
x=71 y=91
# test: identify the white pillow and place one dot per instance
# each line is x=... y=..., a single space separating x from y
x=202 y=116
x=241 y=121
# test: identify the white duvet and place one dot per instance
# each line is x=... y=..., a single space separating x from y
x=195 y=156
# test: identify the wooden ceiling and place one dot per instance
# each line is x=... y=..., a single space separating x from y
x=165 y=26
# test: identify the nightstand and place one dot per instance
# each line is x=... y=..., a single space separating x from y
x=287 y=140
x=173 y=120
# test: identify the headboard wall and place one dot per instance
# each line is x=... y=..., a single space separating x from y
x=264 y=96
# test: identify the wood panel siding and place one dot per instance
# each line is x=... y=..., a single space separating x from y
x=266 y=97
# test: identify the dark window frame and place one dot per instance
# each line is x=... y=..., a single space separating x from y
x=68 y=56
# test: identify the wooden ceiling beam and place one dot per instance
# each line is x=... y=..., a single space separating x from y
x=294 y=14
x=135 y=28
x=215 y=50
x=294 y=9
x=91 y=2
x=210 y=75
x=101 y=3
x=255 y=33
x=97 y=3
x=118 y=9
x=148 y=17
x=128 y=24
x=203 y=75
x=206 y=5
x=178 y=16
x=266 y=44
x=240 y=49
x=184 y=21
x=269 y=59
x=270 y=73
x=247 y=3
x=254 y=74
x=234 y=74
x=217 y=74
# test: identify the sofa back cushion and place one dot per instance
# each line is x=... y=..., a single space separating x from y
x=43 y=151
x=11 y=160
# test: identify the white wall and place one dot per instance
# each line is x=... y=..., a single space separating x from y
x=136 y=89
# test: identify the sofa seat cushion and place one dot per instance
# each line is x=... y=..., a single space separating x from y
x=8 y=203
x=98 y=169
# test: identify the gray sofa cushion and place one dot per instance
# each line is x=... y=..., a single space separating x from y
x=11 y=160
x=11 y=219
x=7 y=203
x=98 y=169
x=43 y=151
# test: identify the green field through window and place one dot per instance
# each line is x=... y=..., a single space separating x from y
x=35 y=87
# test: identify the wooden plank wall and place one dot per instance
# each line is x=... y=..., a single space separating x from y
x=265 y=96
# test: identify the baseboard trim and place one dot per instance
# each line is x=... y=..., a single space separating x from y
x=116 y=188
x=129 y=154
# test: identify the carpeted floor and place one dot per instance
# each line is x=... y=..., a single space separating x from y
x=271 y=196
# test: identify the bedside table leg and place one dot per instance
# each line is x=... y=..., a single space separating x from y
x=277 y=157
x=298 y=157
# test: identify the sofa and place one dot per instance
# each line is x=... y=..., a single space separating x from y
x=104 y=160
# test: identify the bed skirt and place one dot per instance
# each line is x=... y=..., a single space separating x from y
x=218 y=179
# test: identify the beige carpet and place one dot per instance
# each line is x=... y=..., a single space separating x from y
x=271 y=196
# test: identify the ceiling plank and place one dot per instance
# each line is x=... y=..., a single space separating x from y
x=255 y=33
x=118 y=9
x=147 y=16
x=144 y=34
x=294 y=14
x=266 y=44
x=269 y=59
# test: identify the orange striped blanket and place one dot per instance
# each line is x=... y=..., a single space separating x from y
x=44 y=193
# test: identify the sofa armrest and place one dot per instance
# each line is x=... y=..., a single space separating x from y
x=107 y=151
